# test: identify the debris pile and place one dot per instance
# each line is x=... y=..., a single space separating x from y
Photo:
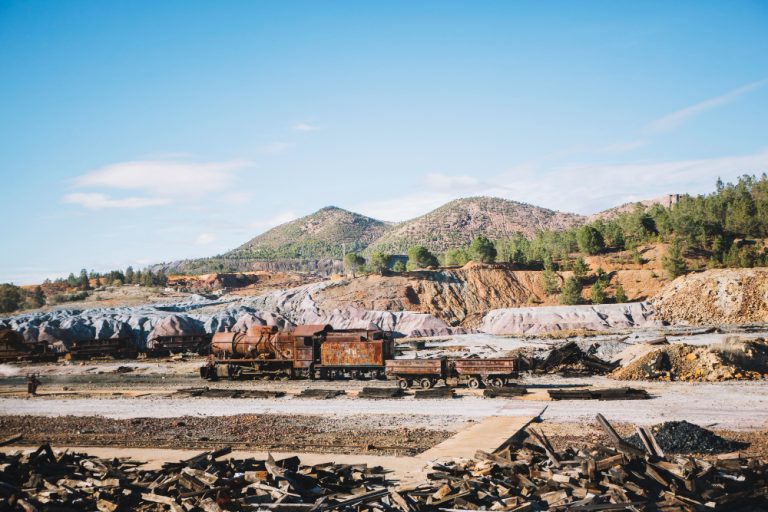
x=525 y=474
x=684 y=437
x=733 y=359
x=73 y=481
x=207 y=392
x=321 y=394
x=599 y=394
x=506 y=391
x=444 y=392
x=569 y=360
x=374 y=393
x=529 y=475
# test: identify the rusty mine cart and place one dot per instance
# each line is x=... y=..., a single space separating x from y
x=475 y=373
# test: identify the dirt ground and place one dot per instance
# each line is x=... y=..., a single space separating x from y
x=381 y=435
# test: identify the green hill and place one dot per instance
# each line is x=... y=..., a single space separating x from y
x=323 y=234
x=455 y=224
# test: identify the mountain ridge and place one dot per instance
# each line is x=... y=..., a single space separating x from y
x=324 y=236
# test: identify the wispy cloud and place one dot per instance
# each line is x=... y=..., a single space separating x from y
x=445 y=182
x=679 y=117
x=97 y=201
x=305 y=127
x=623 y=147
x=275 y=148
x=575 y=188
x=261 y=225
x=205 y=238
x=153 y=183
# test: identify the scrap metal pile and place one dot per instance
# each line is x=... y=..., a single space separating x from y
x=570 y=360
x=526 y=474
x=77 y=482
x=529 y=475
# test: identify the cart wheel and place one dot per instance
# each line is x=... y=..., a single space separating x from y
x=234 y=372
x=496 y=382
x=474 y=383
x=403 y=384
x=425 y=383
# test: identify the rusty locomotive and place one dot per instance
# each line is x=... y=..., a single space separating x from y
x=321 y=352
x=307 y=351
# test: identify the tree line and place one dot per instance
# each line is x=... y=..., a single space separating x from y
x=75 y=287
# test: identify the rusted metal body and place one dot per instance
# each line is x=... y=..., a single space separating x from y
x=306 y=351
x=492 y=372
x=425 y=372
x=122 y=347
x=486 y=367
x=474 y=372
x=198 y=343
x=14 y=348
x=356 y=348
x=258 y=342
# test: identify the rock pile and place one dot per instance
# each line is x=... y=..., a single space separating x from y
x=715 y=297
x=683 y=437
x=732 y=360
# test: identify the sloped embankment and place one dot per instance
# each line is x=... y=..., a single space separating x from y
x=720 y=296
x=568 y=318
x=459 y=297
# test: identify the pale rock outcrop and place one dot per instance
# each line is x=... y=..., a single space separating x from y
x=533 y=320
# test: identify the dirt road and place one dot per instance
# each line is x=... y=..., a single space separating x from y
x=730 y=405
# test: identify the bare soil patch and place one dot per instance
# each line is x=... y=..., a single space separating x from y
x=380 y=435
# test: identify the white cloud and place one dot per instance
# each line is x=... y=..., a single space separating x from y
x=444 y=182
x=97 y=201
x=158 y=182
x=163 y=177
x=275 y=148
x=584 y=189
x=305 y=127
x=205 y=238
x=404 y=208
x=591 y=188
x=276 y=220
x=679 y=117
x=622 y=147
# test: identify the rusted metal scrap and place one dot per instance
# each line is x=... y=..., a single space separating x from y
x=570 y=360
x=44 y=480
x=526 y=474
x=530 y=475
x=599 y=394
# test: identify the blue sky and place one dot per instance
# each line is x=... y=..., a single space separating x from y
x=138 y=132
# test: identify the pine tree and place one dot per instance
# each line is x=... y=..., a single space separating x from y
x=620 y=295
x=590 y=240
x=571 y=293
x=597 y=294
x=580 y=269
x=84 y=283
x=129 y=275
x=673 y=262
x=482 y=250
x=549 y=281
x=38 y=297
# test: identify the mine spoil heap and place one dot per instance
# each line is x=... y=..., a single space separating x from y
x=526 y=474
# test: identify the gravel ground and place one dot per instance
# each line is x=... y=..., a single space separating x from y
x=730 y=405
x=380 y=435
